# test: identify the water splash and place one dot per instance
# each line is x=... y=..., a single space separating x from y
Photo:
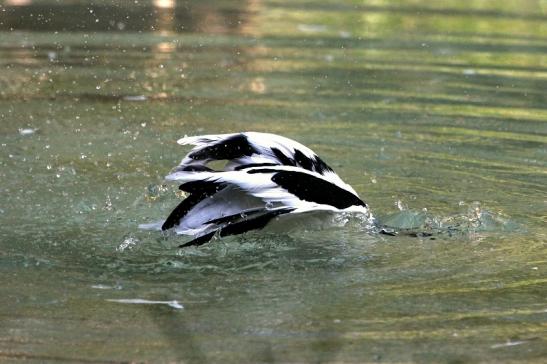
x=475 y=219
x=128 y=243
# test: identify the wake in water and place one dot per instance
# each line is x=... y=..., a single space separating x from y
x=269 y=182
x=422 y=224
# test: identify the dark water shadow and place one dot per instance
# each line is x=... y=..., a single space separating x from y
x=181 y=336
x=190 y=337
x=181 y=17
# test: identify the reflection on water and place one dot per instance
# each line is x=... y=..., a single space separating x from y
x=165 y=16
x=141 y=16
x=435 y=113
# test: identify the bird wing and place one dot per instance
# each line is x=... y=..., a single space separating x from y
x=252 y=149
x=266 y=176
x=276 y=185
x=234 y=202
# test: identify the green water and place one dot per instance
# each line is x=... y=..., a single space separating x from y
x=433 y=111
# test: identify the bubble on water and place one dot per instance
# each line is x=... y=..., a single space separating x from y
x=400 y=205
x=105 y=286
x=52 y=56
x=135 y=98
x=128 y=243
x=509 y=343
x=312 y=28
x=108 y=204
x=474 y=210
x=173 y=304
x=344 y=34
x=27 y=131
x=154 y=192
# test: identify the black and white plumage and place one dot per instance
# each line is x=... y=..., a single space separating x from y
x=266 y=176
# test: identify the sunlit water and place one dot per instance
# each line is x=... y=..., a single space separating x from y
x=436 y=114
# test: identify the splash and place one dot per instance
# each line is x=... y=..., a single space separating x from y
x=128 y=243
x=475 y=219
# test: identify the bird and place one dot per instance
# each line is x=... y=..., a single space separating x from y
x=265 y=176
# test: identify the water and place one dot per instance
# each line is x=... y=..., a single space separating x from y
x=435 y=113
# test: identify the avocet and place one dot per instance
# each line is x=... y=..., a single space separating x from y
x=265 y=176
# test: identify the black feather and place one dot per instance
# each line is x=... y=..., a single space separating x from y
x=200 y=240
x=253 y=165
x=286 y=161
x=310 y=188
x=198 y=190
x=202 y=187
x=193 y=168
x=231 y=218
x=181 y=210
x=321 y=166
x=240 y=227
x=233 y=147
x=304 y=161
x=252 y=224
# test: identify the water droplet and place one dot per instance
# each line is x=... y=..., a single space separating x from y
x=108 y=203
x=128 y=243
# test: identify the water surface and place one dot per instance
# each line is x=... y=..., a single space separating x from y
x=428 y=110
